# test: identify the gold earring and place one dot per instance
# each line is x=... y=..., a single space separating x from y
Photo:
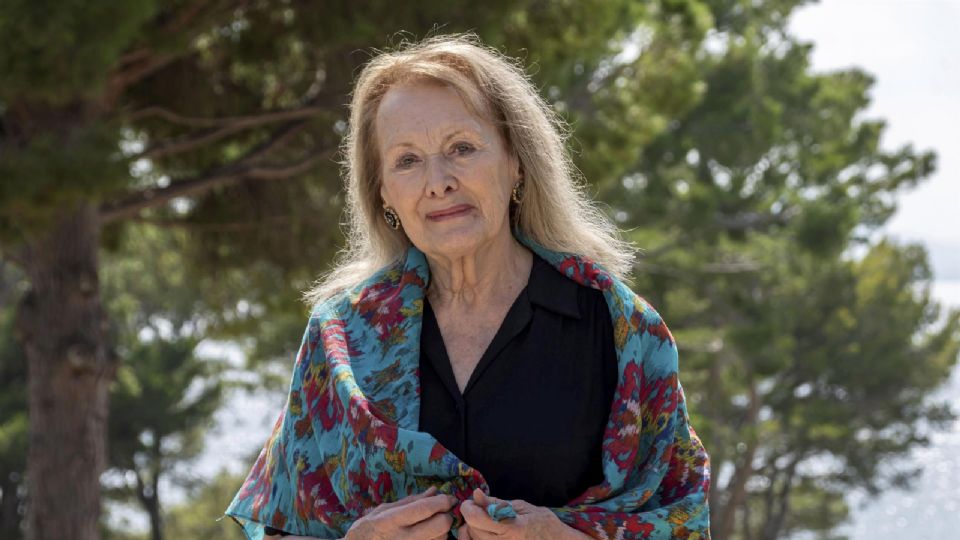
x=517 y=194
x=391 y=217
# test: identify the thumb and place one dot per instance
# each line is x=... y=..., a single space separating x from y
x=432 y=490
x=497 y=509
x=481 y=498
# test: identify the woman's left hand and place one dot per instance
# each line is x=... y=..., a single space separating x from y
x=532 y=522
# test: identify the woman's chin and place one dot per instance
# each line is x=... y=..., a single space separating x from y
x=455 y=242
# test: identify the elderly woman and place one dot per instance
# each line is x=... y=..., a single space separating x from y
x=475 y=367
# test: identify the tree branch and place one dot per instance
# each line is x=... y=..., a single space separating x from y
x=228 y=226
x=138 y=64
x=245 y=167
x=285 y=171
x=133 y=73
x=226 y=126
x=141 y=200
x=755 y=220
x=186 y=144
x=183 y=18
x=279 y=137
x=247 y=121
x=133 y=56
x=733 y=267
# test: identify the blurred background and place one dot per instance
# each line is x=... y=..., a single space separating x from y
x=169 y=185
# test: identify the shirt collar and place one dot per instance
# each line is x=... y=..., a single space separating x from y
x=552 y=290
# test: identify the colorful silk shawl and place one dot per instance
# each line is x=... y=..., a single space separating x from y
x=348 y=438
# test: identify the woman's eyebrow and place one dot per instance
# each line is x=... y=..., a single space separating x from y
x=461 y=131
x=446 y=138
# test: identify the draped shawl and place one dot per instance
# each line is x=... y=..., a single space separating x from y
x=348 y=439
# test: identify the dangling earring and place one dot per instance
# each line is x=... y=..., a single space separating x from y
x=517 y=194
x=391 y=217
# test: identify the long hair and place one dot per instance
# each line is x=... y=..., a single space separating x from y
x=555 y=212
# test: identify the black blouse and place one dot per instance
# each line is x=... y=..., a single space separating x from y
x=532 y=415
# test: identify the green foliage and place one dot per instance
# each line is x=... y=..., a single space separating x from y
x=54 y=171
x=108 y=533
x=164 y=397
x=13 y=399
x=199 y=516
x=795 y=353
x=57 y=51
x=13 y=411
x=164 y=394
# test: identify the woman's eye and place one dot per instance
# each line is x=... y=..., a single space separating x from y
x=406 y=160
x=462 y=148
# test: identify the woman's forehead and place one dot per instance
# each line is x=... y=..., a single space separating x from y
x=425 y=113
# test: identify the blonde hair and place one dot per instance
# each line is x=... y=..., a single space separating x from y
x=555 y=211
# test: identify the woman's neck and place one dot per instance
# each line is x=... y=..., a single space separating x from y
x=500 y=268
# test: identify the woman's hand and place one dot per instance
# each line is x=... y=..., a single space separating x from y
x=416 y=517
x=532 y=522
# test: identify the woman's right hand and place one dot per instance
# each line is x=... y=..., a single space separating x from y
x=423 y=516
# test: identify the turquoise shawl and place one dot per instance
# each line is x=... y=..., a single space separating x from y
x=348 y=438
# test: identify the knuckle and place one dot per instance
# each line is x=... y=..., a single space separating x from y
x=442 y=522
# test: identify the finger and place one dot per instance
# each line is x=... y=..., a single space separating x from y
x=420 y=510
x=482 y=498
x=404 y=501
x=432 y=490
x=521 y=506
x=463 y=533
x=477 y=534
x=484 y=501
x=479 y=520
x=436 y=525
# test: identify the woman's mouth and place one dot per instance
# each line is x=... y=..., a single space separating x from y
x=450 y=213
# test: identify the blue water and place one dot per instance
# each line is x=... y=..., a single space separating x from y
x=932 y=508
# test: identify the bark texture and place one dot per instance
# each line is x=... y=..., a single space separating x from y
x=63 y=331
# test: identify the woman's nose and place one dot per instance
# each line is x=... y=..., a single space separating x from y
x=440 y=178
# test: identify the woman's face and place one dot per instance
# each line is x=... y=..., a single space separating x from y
x=445 y=171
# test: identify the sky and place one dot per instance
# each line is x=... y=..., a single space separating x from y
x=912 y=48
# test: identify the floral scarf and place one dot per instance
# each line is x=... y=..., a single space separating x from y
x=348 y=438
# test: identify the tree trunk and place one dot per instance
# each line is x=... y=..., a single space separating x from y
x=715 y=398
x=9 y=507
x=156 y=525
x=773 y=527
x=745 y=532
x=725 y=515
x=150 y=499
x=63 y=331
